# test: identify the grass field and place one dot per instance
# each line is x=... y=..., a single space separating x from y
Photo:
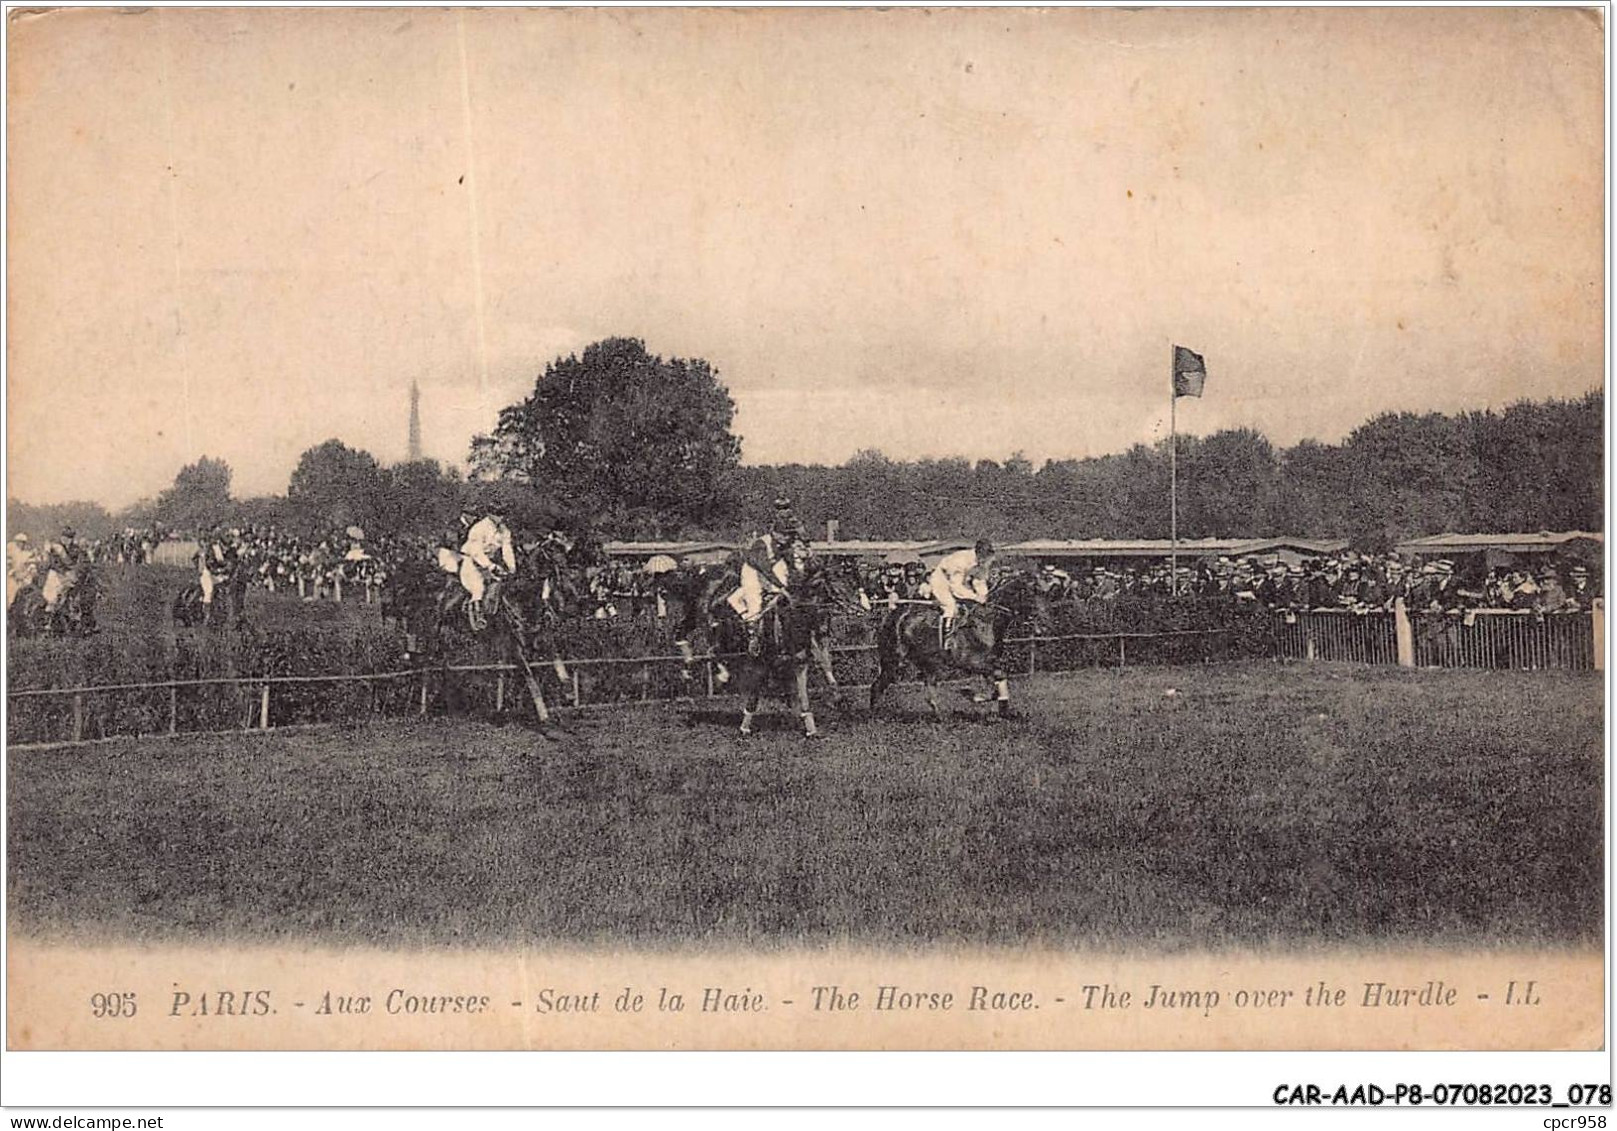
x=1261 y=804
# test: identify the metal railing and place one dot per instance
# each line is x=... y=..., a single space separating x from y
x=1504 y=640
x=1364 y=638
x=1494 y=639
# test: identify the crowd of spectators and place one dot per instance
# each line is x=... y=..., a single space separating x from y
x=277 y=561
x=1350 y=582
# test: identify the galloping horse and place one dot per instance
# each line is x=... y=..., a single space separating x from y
x=229 y=604
x=911 y=634
x=74 y=614
x=791 y=635
x=702 y=597
x=521 y=613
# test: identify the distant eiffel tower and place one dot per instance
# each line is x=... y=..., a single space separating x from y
x=415 y=422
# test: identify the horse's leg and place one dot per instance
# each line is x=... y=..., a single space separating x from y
x=749 y=709
x=877 y=686
x=931 y=675
x=822 y=656
x=804 y=709
x=535 y=691
x=890 y=656
x=1002 y=691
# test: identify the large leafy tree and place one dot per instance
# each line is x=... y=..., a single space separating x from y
x=334 y=486
x=419 y=497
x=640 y=444
x=199 y=498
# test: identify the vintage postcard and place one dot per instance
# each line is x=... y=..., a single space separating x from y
x=795 y=529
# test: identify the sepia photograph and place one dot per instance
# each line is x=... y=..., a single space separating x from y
x=808 y=529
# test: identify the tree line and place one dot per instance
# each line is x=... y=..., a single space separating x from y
x=1533 y=466
x=634 y=445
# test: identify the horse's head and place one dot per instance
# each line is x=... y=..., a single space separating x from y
x=1023 y=601
x=547 y=581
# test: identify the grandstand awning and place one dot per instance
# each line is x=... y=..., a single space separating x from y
x=874 y=548
x=1501 y=548
x=1049 y=549
x=641 y=551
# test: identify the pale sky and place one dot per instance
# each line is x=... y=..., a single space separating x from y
x=960 y=232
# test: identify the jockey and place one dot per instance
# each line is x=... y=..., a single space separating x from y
x=62 y=561
x=765 y=562
x=21 y=567
x=962 y=576
x=216 y=562
x=487 y=537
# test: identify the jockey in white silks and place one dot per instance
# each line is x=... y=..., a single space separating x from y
x=213 y=566
x=962 y=576
x=763 y=564
x=62 y=559
x=21 y=567
x=487 y=548
x=765 y=561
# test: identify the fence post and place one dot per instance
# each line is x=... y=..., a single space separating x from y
x=78 y=717
x=708 y=666
x=173 y=709
x=1032 y=655
x=422 y=710
x=578 y=700
x=1404 y=631
x=499 y=693
x=1597 y=614
x=263 y=708
x=1122 y=652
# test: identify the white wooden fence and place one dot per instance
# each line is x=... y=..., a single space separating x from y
x=1498 y=639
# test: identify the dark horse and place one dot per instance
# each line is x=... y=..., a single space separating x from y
x=229 y=604
x=521 y=613
x=793 y=633
x=701 y=595
x=977 y=646
x=74 y=614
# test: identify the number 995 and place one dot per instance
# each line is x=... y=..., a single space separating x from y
x=119 y=1003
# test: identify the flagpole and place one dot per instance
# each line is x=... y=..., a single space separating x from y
x=1173 y=481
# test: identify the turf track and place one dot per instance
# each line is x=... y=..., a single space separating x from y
x=1259 y=804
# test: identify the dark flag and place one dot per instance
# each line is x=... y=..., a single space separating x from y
x=1189 y=372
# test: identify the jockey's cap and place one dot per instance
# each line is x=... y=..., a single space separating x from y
x=782 y=502
x=984 y=547
x=69 y=532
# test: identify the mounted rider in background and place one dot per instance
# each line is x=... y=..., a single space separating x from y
x=22 y=567
x=217 y=561
x=961 y=576
x=487 y=556
x=64 y=560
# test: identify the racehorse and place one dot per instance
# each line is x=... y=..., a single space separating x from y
x=702 y=596
x=911 y=634
x=521 y=613
x=792 y=633
x=74 y=614
x=229 y=604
